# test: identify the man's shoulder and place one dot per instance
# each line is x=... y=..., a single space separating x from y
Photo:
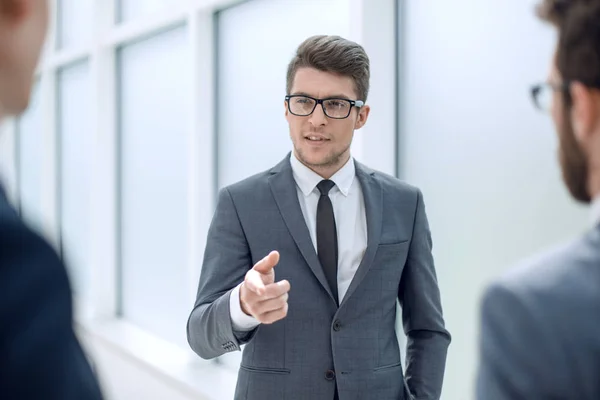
x=10 y=223
x=35 y=292
x=389 y=182
x=255 y=186
x=250 y=183
x=30 y=272
x=22 y=250
x=557 y=280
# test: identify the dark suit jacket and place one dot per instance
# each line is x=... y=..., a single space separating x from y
x=40 y=357
x=540 y=336
x=319 y=344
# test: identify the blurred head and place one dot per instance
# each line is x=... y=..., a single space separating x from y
x=23 y=26
x=575 y=79
x=327 y=88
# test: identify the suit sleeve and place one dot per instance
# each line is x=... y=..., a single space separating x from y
x=419 y=296
x=227 y=258
x=518 y=358
x=41 y=356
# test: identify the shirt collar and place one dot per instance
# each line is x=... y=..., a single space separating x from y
x=595 y=210
x=307 y=179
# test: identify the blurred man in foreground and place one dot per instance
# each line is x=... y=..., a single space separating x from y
x=40 y=357
x=540 y=336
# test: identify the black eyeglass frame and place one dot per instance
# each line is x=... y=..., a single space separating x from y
x=353 y=103
x=535 y=91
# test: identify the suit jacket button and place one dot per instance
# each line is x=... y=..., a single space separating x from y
x=330 y=375
x=337 y=325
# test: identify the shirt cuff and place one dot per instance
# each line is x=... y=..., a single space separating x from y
x=239 y=319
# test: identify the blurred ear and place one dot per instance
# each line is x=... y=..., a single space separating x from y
x=14 y=10
x=585 y=112
x=363 y=115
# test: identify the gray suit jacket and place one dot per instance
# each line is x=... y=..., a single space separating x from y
x=320 y=344
x=540 y=336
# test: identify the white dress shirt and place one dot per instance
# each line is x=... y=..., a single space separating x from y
x=351 y=225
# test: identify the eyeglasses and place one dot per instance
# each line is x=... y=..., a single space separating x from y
x=334 y=108
x=541 y=94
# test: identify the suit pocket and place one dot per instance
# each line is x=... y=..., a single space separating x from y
x=393 y=246
x=387 y=382
x=391 y=256
x=388 y=367
x=260 y=370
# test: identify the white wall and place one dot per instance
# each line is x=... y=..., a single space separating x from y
x=484 y=158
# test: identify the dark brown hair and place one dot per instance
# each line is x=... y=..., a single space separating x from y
x=578 y=50
x=332 y=54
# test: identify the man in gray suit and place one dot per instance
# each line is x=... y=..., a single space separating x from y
x=346 y=243
x=540 y=336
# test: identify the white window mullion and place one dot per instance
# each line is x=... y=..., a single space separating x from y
x=104 y=231
x=49 y=140
x=47 y=136
x=212 y=6
x=65 y=57
x=202 y=143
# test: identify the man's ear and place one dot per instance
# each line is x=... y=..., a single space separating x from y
x=363 y=115
x=585 y=110
x=14 y=10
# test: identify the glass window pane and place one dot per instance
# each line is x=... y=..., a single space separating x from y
x=155 y=104
x=133 y=9
x=74 y=23
x=30 y=145
x=253 y=133
x=75 y=146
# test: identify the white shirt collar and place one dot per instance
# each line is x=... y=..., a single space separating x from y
x=595 y=210
x=307 y=179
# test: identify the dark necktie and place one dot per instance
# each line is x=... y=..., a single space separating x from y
x=327 y=246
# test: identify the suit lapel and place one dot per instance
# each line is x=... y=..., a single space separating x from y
x=283 y=187
x=373 y=196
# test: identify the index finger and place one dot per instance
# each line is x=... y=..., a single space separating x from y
x=265 y=265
